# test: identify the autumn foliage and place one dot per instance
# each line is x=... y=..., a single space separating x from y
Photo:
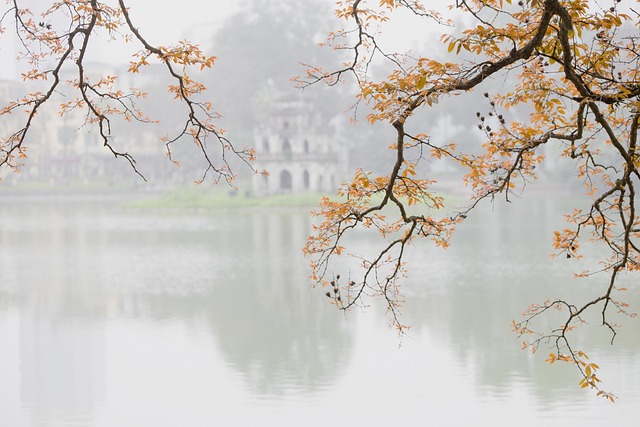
x=55 y=41
x=572 y=65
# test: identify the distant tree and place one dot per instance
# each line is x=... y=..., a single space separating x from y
x=571 y=65
x=260 y=49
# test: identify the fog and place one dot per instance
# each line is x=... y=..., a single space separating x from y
x=152 y=302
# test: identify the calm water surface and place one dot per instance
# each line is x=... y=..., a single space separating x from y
x=113 y=317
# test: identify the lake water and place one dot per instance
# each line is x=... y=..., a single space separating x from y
x=115 y=317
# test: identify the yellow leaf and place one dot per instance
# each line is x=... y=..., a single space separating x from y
x=421 y=82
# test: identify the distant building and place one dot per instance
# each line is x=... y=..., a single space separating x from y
x=67 y=147
x=299 y=150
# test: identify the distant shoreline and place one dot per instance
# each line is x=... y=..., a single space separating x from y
x=66 y=194
x=221 y=197
x=159 y=198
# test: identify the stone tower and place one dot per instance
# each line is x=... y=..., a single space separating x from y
x=300 y=152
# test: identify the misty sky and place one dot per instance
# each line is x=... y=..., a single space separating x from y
x=195 y=20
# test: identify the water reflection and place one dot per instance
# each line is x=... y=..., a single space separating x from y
x=61 y=337
x=498 y=264
x=72 y=267
x=263 y=317
x=209 y=311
